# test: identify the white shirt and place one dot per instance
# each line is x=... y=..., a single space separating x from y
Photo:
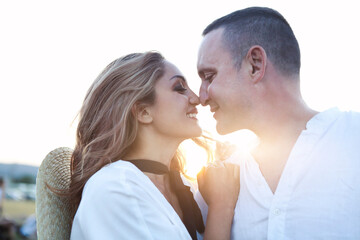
x=120 y=202
x=318 y=195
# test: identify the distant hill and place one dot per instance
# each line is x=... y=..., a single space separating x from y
x=17 y=170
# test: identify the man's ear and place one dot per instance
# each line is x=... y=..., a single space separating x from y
x=142 y=113
x=257 y=59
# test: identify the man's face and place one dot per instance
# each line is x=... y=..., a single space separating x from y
x=223 y=87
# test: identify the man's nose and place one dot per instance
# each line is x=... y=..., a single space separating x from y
x=204 y=95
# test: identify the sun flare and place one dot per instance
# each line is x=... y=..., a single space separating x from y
x=196 y=157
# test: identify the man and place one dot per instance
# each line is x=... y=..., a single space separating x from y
x=303 y=179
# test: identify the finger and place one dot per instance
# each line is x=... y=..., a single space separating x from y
x=202 y=172
x=233 y=169
x=221 y=164
x=229 y=166
x=200 y=175
x=236 y=170
x=210 y=164
x=218 y=164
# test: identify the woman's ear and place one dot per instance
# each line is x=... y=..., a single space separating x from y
x=142 y=113
x=257 y=59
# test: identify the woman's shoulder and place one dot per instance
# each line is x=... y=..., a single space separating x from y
x=118 y=174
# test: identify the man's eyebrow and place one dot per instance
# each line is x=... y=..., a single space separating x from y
x=178 y=76
x=202 y=71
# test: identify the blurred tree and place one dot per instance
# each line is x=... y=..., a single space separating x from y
x=25 y=179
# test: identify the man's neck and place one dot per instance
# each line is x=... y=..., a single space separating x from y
x=281 y=124
x=277 y=139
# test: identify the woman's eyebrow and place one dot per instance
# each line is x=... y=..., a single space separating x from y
x=178 y=76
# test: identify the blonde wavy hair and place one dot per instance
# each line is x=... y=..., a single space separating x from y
x=107 y=127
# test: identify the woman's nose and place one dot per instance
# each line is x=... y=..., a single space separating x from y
x=194 y=99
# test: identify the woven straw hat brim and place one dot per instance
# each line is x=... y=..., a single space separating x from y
x=53 y=212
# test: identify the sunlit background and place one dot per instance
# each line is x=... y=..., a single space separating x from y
x=51 y=51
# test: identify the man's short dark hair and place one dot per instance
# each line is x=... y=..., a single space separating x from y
x=264 y=27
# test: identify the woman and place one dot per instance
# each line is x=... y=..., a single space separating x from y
x=125 y=166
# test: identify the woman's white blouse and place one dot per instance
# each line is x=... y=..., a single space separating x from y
x=120 y=202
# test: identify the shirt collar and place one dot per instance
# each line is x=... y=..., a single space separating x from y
x=321 y=121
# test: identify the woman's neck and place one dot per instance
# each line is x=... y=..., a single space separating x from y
x=159 y=149
x=155 y=149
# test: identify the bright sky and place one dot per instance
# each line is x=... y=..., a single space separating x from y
x=51 y=51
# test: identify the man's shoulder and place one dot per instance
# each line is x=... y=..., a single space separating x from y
x=351 y=115
x=340 y=116
x=346 y=126
x=349 y=118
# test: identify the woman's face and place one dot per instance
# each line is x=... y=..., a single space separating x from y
x=174 y=111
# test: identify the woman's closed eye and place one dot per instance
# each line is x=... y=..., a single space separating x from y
x=180 y=88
